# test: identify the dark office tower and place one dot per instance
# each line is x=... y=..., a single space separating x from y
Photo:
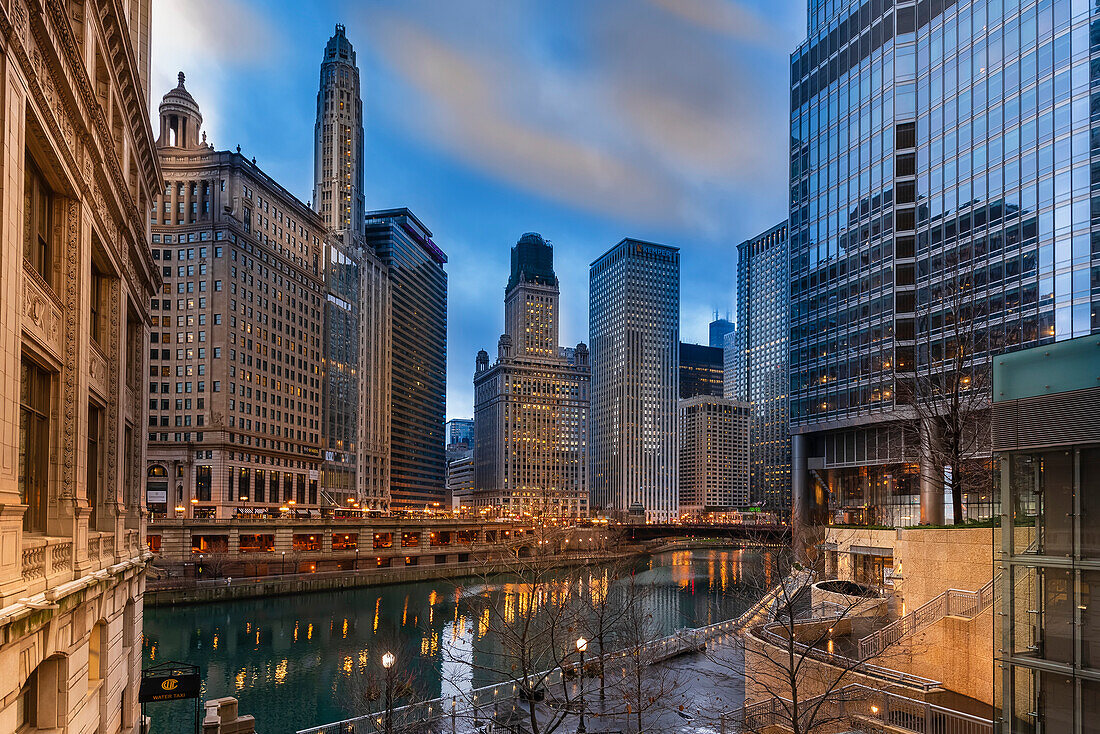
x=418 y=366
x=936 y=148
x=338 y=139
x=634 y=332
x=760 y=364
x=700 y=371
x=718 y=330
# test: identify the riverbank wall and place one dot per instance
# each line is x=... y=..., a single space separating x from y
x=192 y=591
x=229 y=589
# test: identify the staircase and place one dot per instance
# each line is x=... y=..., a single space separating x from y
x=951 y=603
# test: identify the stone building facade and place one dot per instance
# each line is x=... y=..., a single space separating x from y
x=80 y=171
x=531 y=406
x=714 y=454
x=235 y=376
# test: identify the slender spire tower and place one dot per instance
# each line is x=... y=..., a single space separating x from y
x=338 y=139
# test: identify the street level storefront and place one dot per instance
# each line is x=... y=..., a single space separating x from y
x=1046 y=439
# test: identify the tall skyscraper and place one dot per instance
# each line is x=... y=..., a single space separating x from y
x=356 y=342
x=936 y=149
x=76 y=273
x=531 y=405
x=718 y=330
x=418 y=365
x=235 y=350
x=714 y=454
x=700 y=371
x=634 y=332
x=760 y=364
x=338 y=139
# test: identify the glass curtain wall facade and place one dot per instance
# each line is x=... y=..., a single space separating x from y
x=634 y=335
x=340 y=373
x=418 y=302
x=935 y=146
x=1047 y=619
x=760 y=355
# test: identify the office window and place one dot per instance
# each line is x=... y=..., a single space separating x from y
x=38 y=202
x=34 y=445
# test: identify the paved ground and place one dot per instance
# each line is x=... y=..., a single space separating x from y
x=694 y=689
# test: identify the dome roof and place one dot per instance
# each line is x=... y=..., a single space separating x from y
x=181 y=98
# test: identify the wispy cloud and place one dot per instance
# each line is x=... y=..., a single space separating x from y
x=212 y=42
x=606 y=107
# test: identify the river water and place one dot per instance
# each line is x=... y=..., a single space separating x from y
x=300 y=661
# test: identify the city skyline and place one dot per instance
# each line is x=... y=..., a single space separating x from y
x=714 y=186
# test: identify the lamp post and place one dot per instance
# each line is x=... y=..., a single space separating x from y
x=387 y=662
x=282 y=568
x=357 y=556
x=582 y=645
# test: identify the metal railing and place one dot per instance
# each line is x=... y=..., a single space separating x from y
x=860 y=706
x=857 y=666
x=951 y=603
x=481 y=703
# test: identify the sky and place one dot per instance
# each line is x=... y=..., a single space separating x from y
x=584 y=120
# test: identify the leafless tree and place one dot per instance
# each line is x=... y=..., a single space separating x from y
x=525 y=612
x=600 y=606
x=645 y=688
x=799 y=657
x=948 y=389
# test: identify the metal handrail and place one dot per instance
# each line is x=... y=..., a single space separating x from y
x=951 y=603
x=860 y=703
x=479 y=699
x=860 y=666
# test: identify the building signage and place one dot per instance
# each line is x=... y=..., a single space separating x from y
x=157 y=496
x=169 y=683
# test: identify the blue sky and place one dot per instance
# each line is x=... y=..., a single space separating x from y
x=584 y=120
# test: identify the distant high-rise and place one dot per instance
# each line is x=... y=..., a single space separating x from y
x=418 y=345
x=459 y=431
x=718 y=330
x=760 y=363
x=355 y=369
x=634 y=331
x=531 y=405
x=338 y=139
x=714 y=454
x=700 y=371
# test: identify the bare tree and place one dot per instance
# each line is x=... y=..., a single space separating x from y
x=646 y=688
x=526 y=615
x=798 y=658
x=948 y=389
x=600 y=605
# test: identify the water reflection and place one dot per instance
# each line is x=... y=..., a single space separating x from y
x=299 y=661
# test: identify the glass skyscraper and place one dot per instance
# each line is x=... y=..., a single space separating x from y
x=634 y=335
x=760 y=364
x=418 y=366
x=935 y=147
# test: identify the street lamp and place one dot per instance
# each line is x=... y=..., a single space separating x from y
x=282 y=568
x=582 y=645
x=387 y=662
